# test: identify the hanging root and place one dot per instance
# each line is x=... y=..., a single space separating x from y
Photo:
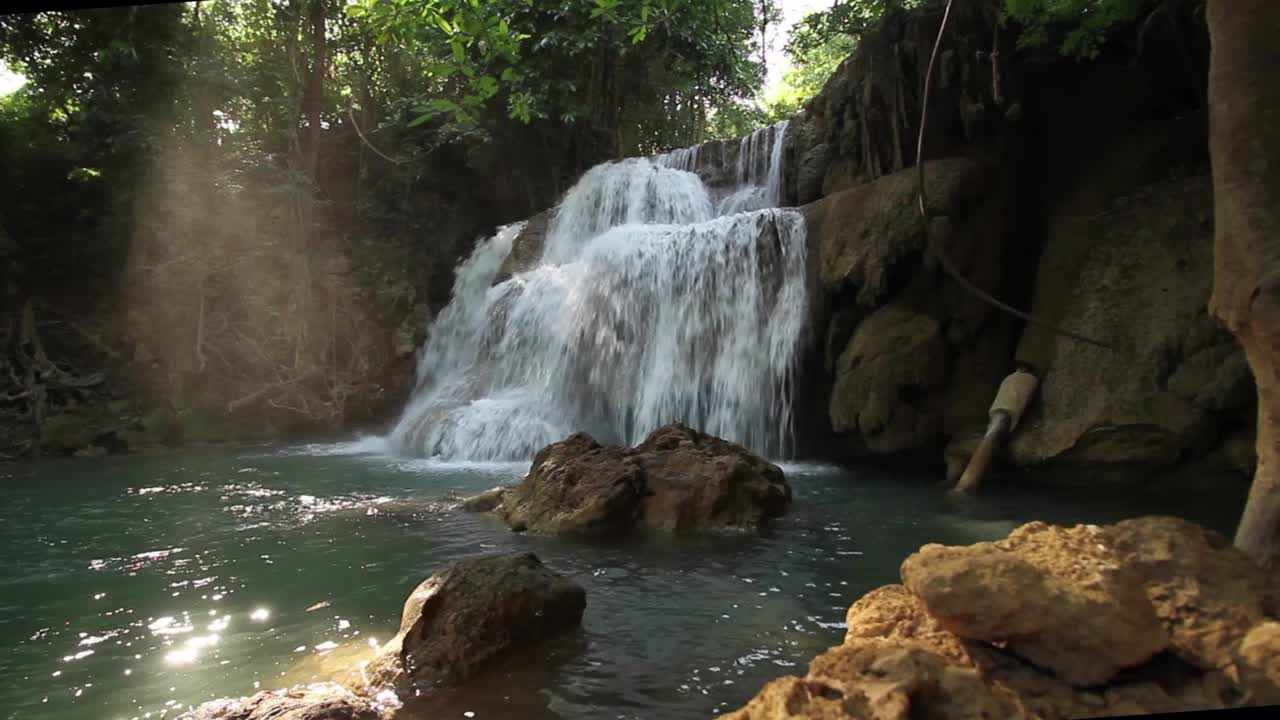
x=943 y=259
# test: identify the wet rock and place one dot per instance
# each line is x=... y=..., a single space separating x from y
x=810 y=174
x=412 y=331
x=677 y=479
x=322 y=701
x=470 y=615
x=577 y=485
x=484 y=502
x=526 y=248
x=1058 y=597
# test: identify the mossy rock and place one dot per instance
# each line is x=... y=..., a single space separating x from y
x=67 y=432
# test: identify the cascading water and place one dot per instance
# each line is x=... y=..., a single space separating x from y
x=654 y=302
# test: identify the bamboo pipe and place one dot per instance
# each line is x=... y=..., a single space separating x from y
x=1006 y=411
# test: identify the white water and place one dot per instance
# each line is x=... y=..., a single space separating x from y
x=654 y=302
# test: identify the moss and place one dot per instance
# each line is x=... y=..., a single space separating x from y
x=67 y=432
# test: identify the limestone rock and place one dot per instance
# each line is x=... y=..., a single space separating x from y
x=1207 y=593
x=1138 y=275
x=906 y=654
x=810 y=174
x=868 y=681
x=486 y=501
x=470 y=615
x=322 y=701
x=894 y=350
x=860 y=234
x=677 y=479
x=1059 y=597
x=892 y=614
x=1258 y=663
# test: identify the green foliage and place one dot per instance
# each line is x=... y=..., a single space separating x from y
x=810 y=69
x=851 y=18
x=601 y=65
x=1077 y=28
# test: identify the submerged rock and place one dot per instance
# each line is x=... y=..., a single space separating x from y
x=973 y=630
x=484 y=502
x=677 y=479
x=469 y=615
x=322 y=701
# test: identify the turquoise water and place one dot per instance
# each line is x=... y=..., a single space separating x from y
x=136 y=586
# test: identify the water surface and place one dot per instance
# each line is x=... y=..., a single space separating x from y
x=137 y=586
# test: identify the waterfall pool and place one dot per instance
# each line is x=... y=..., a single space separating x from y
x=134 y=587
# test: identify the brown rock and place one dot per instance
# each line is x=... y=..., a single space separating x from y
x=694 y=481
x=870 y=681
x=893 y=350
x=322 y=701
x=859 y=235
x=900 y=659
x=1057 y=597
x=576 y=485
x=677 y=479
x=471 y=614
x=1207 y=593
x=1258 y=664
x=893 y=614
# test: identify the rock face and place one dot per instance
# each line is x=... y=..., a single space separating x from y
x=1077 y=192
x=323 y=701
x=469 y=615
x=677 y=479
x=1003 y=630
x=912 y=357
x=1137 y=274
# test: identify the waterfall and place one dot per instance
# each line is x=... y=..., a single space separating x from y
x=656 y=300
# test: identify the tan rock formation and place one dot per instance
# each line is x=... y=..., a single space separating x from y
x=971 y=632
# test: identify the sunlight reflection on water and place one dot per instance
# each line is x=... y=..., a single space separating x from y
x=155 y=584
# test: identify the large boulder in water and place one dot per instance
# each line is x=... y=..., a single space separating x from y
x=469 y=615
x=677 y=479
x=322 y=701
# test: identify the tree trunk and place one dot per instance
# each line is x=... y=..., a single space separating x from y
x=1244 y=145
x=314 y=96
